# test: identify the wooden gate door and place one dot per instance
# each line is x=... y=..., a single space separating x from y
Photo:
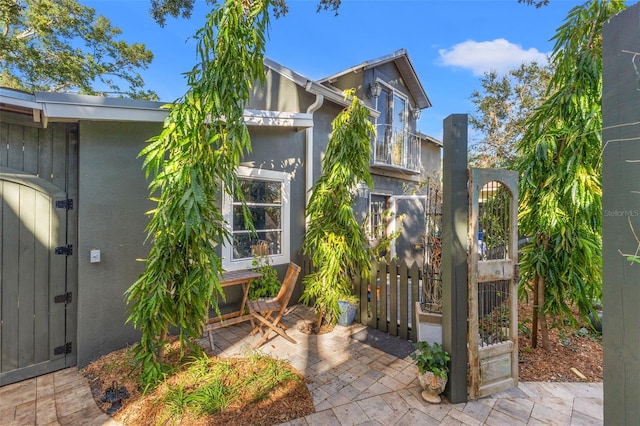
x=33 y=277
x=38 y=272
x=493 y=297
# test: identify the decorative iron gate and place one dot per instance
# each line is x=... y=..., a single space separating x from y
x=493 y=304
x=431 y=298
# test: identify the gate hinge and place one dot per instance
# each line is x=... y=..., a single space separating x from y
x=63 y=350
x=63 y=298
x=66 y=250
x=65 y=204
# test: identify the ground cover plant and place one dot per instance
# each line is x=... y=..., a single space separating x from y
x=204 y=390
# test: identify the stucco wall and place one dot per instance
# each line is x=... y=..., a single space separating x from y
x=111 y=205
x=280 y=94
x=431 y=158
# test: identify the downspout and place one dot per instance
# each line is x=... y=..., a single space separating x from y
x=309 y=151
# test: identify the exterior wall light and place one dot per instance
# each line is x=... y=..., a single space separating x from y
x=363 y=189
x=416 y=113
x=375 y=88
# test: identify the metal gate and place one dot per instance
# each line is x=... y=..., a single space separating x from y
x=431 y=297
x=493 y=303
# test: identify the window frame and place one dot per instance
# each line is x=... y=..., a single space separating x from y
x=228 y=263
x=394 y=143
x=391 y=106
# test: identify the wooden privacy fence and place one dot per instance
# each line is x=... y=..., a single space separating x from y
x=387 y=298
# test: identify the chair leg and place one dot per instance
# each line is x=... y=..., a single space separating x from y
x=259 y=326
x=211 y=346
x=271 y=327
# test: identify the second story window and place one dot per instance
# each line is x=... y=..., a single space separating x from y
x=395 y=146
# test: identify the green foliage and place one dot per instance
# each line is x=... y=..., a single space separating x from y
x=334 y=239
x=503 y=105
x=208 y=385
x=160 y=9
x=524 y=327
x=380 y=247
x=61 y=45
x=192 y=161
x=269 y=284
x=495 y=221
x=536 y=3
x=431 y=357
x=560 y=166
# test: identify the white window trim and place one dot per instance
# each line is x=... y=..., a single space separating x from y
x=227 y=211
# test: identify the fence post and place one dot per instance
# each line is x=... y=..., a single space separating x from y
x=455 y=217
x=415 y=297
x=405 y=302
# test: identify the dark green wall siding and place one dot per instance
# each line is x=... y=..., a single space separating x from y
x=112 y=206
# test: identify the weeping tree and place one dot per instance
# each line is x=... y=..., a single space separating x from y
x=62 y=45
x=560 y=183
x=191 y=162
x=334 y=239
x=503 y=105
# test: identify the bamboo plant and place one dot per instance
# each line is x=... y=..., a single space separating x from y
x=192 y=161
x=334 y=239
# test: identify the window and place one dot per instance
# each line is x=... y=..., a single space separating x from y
x=267 y=195
x=378 y=224
x=395 y=146
x=382 y=226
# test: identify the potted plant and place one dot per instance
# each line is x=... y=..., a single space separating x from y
x=268 y=285
x=433 y=369
x=348 y=308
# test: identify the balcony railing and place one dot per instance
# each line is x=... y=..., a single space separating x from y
x=396 y=149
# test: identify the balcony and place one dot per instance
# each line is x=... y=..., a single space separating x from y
x=396 y=149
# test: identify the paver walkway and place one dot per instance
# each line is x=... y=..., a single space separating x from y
x=351 y=383
x=60 y=398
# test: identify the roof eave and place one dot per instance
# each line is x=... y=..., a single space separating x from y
x=401 y=59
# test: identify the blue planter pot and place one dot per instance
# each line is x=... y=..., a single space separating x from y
x=596 y=320
x=347 y=313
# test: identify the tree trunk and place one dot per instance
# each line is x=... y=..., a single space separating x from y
x=161 y=348
x=534 y=322
x=543 y=319
x=319 y=318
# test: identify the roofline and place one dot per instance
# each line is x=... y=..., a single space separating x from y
x=48 y=107
x=431 y=139
x=52 y=106
x=367 y=64
x=310 y=85
x=422 y=99
x=305 y=82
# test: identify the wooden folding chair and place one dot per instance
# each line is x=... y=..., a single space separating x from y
x=264 y=309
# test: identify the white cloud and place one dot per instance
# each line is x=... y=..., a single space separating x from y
x=498 y=55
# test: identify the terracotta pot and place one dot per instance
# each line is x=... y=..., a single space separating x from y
x=432 y=386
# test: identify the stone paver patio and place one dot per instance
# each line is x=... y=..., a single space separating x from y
x=351 y=384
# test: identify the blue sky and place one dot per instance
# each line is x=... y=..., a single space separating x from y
x=451 y=43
